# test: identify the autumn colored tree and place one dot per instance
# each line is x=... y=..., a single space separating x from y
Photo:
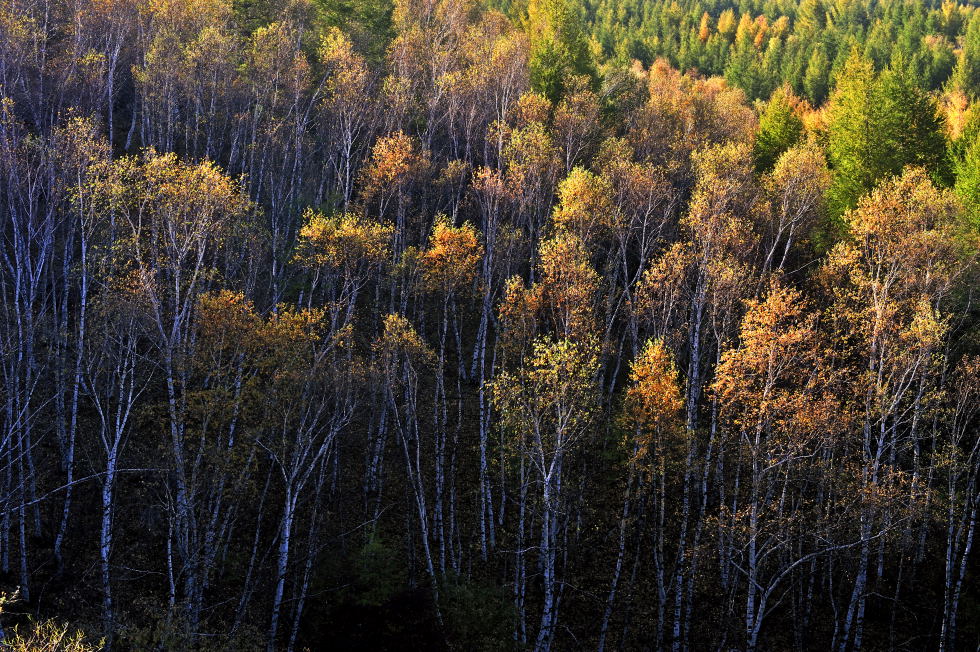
x=449 y=266
x=180 y=223
x=896 y=274
x=396 y=163
x=683 y=114
x=777 y=397
x=346 y=108
x=446 y=324
x=797 y=188
x=652 y=409
x=548 y=404
x=585 y=205
x=342 y=253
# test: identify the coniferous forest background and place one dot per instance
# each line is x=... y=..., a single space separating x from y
x=449 y=325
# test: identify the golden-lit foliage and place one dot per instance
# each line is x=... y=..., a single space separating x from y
x=577 y=123
x=451 y=260
x=48 y=636
x=400 y=299
x=569 y=286
x=228 y=325
x=653 y=399
x=348 y=70
x=343 y=241
x=518 y=311
x=86 y=156
x=549 y=402
x=775 y=381
x=178 y=218
x=531 y=108
x=704 y=27
x=724 y=181
x=184 y=201
x=684 y=114
x=585 y=205
x=192 y=50
x=906 y=249
x=252 y=361
x=532 y=161
x=909 y=221
x=396 y=160
x=189 y=12
x=393 y=159
x=225 y=321
x=228 y=354
x=292 y=333
x=956 y=107
x=661 y=289
x=400 y=341
x=643 y=197
x=274 y=61
x=796 y=187
x=725 y=202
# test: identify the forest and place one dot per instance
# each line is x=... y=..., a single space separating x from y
x=489 y=325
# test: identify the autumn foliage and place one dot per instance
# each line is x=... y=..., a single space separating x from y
x=439 y=324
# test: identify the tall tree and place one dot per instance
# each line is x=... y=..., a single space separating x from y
x=559 y=49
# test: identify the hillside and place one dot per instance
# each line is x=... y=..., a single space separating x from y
x=342 y=324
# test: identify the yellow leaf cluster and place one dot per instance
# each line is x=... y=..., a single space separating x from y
x=452 y=257
x=585 y=204
x=342 y=241
x=654 y=396
x=395 y=159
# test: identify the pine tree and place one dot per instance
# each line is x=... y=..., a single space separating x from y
x=966 y=75
x=779 y=128
x=559 y=47
x=966 y=167
x=910 y=126
x=855 y=146
x=815 y=78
